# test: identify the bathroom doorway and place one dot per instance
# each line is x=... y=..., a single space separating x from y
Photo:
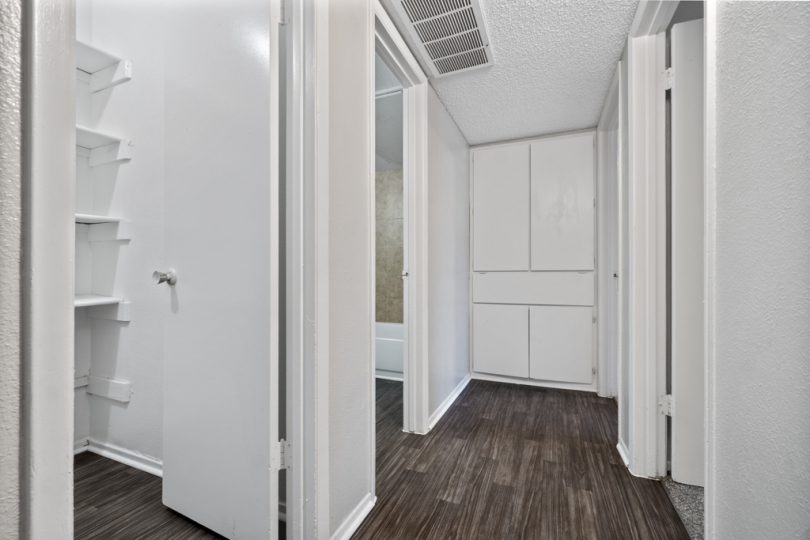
x=398 y=239
x=390 y=260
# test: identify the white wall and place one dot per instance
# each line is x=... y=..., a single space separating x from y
x=135 y=191
x=350 y=264
x=760 y=432
x=449 y=253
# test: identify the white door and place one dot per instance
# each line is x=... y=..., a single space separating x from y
x=221 y=217
x=687 y=253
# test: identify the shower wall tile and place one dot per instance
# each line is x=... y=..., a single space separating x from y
x=389 y=246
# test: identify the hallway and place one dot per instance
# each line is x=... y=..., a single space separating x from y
x=511 y=461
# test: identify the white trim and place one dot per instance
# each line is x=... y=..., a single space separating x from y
x=307 y=252
x=448 y=402
x=647 y=254
x=531 y=382
x=710 y=262
x=623 y=453
x=652 y=17
x=131 y=458
x=388 y=375
x=81 y=446
x=355 y=518
x=371 y=243
x=49 y=131
x=606 y=371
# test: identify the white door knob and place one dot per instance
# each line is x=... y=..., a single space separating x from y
x=169 y=276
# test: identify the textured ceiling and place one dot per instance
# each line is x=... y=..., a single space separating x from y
x=553 y=64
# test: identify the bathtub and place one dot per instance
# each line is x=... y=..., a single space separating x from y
x=390 y=350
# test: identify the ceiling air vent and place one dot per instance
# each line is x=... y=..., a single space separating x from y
x=447 y=36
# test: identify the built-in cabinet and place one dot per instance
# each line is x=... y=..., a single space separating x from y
x=532 y=263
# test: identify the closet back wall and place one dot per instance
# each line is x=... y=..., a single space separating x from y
x=132 y=351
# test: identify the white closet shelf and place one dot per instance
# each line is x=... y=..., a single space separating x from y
x=91 y=138
x=103 y=147
x=90 y=219
x=105 y=70
x=90 y=300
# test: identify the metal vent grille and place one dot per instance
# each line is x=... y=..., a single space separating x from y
x=462 y=61
x=448 y=36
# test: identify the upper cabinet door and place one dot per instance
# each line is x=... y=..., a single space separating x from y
x=562 y=184
x=501 y=208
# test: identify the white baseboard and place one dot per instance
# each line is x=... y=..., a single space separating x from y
x=448 y=402
x=81 y=446
x=388 y=375
x=121 y=455
x=355 y=518
x=531 y=382
x=624 y=454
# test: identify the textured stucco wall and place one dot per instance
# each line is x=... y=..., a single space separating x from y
x=10 y=255
x=762 y=380
x=389 y=253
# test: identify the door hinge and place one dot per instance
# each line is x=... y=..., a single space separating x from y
x=665 y=405
x=281 y=456
x=668 y=78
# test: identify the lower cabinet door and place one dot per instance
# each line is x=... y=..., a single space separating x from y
x=561 y=344
x=501 y=340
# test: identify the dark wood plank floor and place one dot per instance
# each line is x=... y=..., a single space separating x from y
x=114 y=501
x=511 y=461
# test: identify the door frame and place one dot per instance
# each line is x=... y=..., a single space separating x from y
x=45 y=288
x=710 y=503
x=647 y=276
x=607 y=368
x=391 y=47
x=307 y=268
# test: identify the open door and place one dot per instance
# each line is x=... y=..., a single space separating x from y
x=221 y=386
x=687 y=254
